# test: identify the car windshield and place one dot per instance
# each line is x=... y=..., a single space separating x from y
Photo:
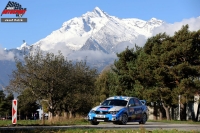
x=114 y=102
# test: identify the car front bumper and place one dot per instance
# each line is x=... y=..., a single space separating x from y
x=104 y=117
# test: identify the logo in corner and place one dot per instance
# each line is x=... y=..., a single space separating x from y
x=14 y=8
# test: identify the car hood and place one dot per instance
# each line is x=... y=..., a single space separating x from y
x=108 y=108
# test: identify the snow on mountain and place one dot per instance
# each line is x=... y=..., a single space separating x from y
x=23 y=46
x=96 y=30
x=143 y=27
x=74 y=33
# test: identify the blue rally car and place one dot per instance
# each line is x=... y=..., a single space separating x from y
x=119 y=110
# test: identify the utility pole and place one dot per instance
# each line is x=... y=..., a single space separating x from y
x=187 y=110
x=179 y=107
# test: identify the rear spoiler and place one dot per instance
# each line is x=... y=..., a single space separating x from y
x=143 y=102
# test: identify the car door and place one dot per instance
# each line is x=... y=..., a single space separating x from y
x=131 y=112
x=138 y=108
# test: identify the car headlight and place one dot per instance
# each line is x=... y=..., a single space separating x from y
x=113 y=112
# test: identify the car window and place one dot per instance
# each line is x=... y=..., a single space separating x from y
x=137 y=102
x=115 y=102
x=131 y=102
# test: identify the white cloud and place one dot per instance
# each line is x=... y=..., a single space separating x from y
x=91 y=55
x=194 y=25
x=139 y=41
x=6 y=55
x=60 y=47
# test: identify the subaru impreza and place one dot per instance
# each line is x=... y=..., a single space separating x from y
x=119 y=110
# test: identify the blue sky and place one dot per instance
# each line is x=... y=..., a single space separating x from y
x=46 y=16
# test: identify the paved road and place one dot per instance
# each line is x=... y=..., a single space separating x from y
x=148 y=126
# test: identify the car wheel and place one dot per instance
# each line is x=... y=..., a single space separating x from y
x=124 y=119
x=144 y=119
x=94 y=122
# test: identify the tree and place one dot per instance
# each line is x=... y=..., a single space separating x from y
x=163 y=69
x=45 y=75
x=80 y=84
x=161 y=80
x=2 y=96
x=102 y=86
x=62 y=84
x=174 y=66
x=27 y=105
x=122 y=70
x=6 y=104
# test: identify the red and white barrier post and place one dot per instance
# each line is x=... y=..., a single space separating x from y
x=14 y=111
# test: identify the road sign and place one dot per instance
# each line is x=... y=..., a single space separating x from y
x=14 y=111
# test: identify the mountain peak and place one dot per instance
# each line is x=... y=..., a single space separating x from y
x=154 y=20
x=98 y=11
x=24 y=45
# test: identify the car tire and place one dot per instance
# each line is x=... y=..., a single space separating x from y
x=144 y=119
x=124 y=119
x=94 y=122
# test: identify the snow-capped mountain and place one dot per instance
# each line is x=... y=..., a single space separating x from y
x=24 y=46
x=97 y=30
x=95 y=35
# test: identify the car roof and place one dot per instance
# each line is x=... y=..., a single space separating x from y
x=120 y=98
